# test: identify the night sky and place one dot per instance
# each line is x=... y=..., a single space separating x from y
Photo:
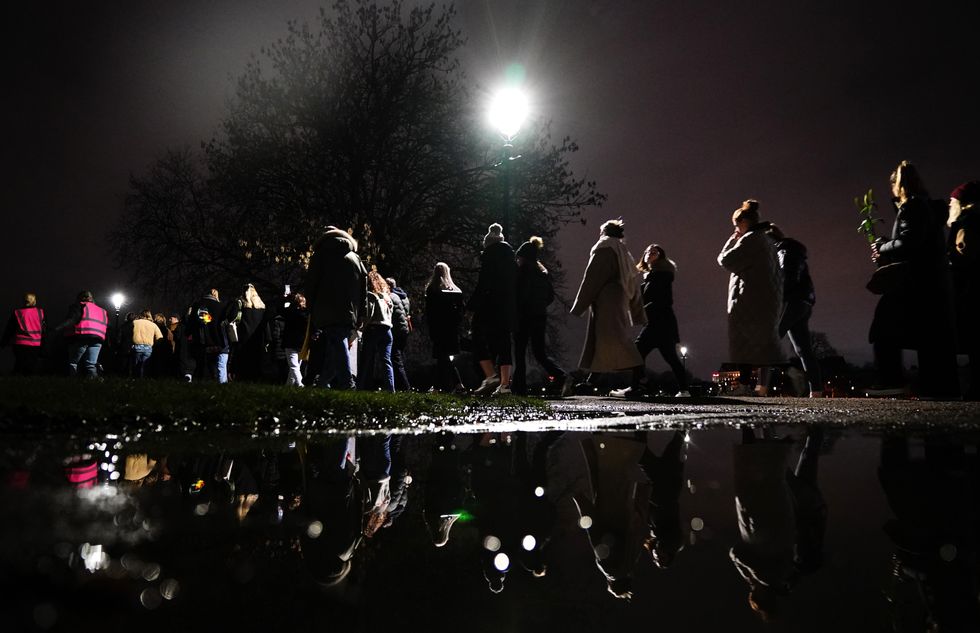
x=681 y=109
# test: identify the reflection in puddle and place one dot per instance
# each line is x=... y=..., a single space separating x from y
x=805 y=528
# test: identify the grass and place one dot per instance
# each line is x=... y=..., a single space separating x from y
x=50 y=404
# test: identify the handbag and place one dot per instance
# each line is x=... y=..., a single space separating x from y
x=889 y=278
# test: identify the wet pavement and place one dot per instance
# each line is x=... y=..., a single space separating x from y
x=702 y=515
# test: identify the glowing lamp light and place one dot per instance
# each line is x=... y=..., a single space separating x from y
x=501 y=561
x=508 y=110
x=117 y=299
x=683 y=350
x=528 y=543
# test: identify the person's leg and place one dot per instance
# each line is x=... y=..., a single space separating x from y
x=799 y=338
x=644 y=344
x=336 y=366
x=888 y=362
x=503 y=342
x=384 y=349
x=75 y=353
x=519 y=381
x=221 y=366
x=90 y=359
x=293 y=375
x=669 y=352
x=539 y=348
x=398 y=345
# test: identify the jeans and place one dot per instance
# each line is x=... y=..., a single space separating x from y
x=294 y=375
x=138 y=357
x=84 y=354
x=532 y=330
x=335 y=372
x=221 y=365
x=375 y=346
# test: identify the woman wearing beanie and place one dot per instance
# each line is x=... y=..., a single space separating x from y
x=534 y=294
x=963 y=249
x=493 y=305
x=610 y=292
x=660 y=333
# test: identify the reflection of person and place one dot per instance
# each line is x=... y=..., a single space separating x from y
x=24 y=333
x=444 y=489
x=610 y=292
x=336 y=293
x=809 y=506
x=616 y=516
x=963 y=249
x=755 y=297
x=935 y=503
x=666 y=473
x=764 y=552
x=917 y=314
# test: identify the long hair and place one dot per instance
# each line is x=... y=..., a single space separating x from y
x=252 y=299
x=642 y=265
x=441 y=279
x=906 y=176
x=377 y=283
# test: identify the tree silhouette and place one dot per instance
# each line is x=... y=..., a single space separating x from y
x=364 y=121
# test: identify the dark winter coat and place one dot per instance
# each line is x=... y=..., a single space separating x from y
x=494 y=300
x=797 y=285
x=658 y=303
x=535 y=291
x=963 y=248
x=399 y=317
x=336 y=282
x=204 y=325
x=294 y=326
x=443 y=313
x=919 y=312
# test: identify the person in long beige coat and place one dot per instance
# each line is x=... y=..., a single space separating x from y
x=755 y=293
x=610 y=292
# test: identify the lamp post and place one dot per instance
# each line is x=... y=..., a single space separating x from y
x=683 y=351
x=507 y=112
x=118 y=299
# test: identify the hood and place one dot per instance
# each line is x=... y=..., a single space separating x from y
x=337 y=242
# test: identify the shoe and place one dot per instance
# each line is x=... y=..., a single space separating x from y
x=487 y=386
x=816 y=394
x=502 y=390
x=441 y=537
x=626 y=392
x=568 y=387
x=684 y=393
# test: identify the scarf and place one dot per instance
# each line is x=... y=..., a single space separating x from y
x=628 y=277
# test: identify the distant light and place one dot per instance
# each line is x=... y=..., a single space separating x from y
x=501 y=561
x=683 y=350
x=491 y=543
x=529 y=542
x=118 y=299
x=539 y=492
x=508 y=110
x=697 y=524
x=314 y=529
x=585 y=522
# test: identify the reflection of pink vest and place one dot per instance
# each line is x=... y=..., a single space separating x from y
x=30 y=321
x=94 y=321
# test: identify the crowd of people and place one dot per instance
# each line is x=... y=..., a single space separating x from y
x=927 y=281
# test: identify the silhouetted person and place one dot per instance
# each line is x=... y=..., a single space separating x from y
x=24 y=333
x=86 y=329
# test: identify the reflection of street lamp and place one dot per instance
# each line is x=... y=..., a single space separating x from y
x=684 y=357
x=508 y=110
x=118 y=300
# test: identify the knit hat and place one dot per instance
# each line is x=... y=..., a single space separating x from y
x=968 y=193
x=495 y=234
x=531 y=249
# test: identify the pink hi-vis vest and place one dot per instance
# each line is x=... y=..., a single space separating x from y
x=30 y=322
x=94 y=321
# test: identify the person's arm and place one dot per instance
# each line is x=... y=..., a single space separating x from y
x=910 y=234
x=736 y=255
x=602 y=268
x=74 y=316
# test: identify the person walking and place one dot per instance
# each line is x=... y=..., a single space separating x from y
x=493 y=305
x=336 y=293
x=375 y=346
x=535 y=293
x=963 y=250
x=295 y=324
x=755 y=298
x=660 y=332
x=401 y=327
x=145 y=334
x=799 y=298
x=252 y=330
x=917 y=313
x=205 y=331
x=24 y=333
x=610 y=292
x=86 y=329
x=443 y=314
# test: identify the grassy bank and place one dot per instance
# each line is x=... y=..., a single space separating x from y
x=49 y=403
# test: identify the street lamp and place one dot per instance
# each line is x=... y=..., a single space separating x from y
x=684 y=357
x=118 y=299
x=508 y=111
